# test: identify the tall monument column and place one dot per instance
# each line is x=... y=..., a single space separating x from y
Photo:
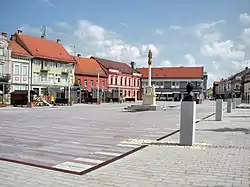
x=149 y=66
x=149 y=98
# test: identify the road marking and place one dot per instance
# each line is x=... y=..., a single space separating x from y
x=107 y=153
x=92 y=161
x=127 y=145
x=72 y=166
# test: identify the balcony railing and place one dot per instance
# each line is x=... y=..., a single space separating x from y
x=45 y=68
x=65 y=70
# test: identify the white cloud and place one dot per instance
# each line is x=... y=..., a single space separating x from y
x=165 y=63
x=208 y=32
x=246 y=36
x=48 y=2
x=159 y=31
x=62 y=24
x=124 y=24
x=245 y=18
x=35 y=30
x=97 y=41
x=176 y=27
x=216 y=65
x=224 y=50
x=190 y=59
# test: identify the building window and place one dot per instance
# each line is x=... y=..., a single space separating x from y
x=58 y=78
x=1 y=52
x=103 y=84
x=25 y=71
x=116 y=83
x=96 y=83
x=91 y=83
x=36 y=77
x=85 y=83
x=51 y=78
x=1 y=70
x=79 y=82
x=16 y=70
x=64 y=78
x=44 y=76
x=36 y=62
x=111 y=80
x=175 y=84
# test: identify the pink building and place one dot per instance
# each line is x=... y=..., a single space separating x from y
x=122 y=76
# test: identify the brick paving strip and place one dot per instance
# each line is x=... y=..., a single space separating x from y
x=218 y=159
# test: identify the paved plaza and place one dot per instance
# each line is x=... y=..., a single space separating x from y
x=221 y=156
x=77 y=138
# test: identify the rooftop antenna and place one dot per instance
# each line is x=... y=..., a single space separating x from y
x=43 y=31
x=74 y=48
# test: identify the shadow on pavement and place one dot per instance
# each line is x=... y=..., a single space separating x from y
x=226 y=129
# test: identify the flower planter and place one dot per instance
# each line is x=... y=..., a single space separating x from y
x=3 y=105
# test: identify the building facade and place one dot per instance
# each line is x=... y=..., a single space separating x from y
x=170 y=82
x=5 y=55
x=122 y=77
x=52 y=67
x=233 y=86
x=20 y=66
x=86 y=74
x=247 y=88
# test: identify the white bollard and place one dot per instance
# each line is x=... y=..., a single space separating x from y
x=187 y=125
x=219 y=110
x=234 y=103
x=229 y=105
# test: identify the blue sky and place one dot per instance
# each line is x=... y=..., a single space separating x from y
x=215 y=34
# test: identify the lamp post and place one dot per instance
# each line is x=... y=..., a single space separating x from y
x=29 y=82
x=69 y=72
x=98 y=82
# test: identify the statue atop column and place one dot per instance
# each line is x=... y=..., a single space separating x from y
x=150 y=56
x=190 y=95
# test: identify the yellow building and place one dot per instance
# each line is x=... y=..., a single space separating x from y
x=52 y=67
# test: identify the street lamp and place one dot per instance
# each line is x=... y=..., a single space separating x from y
x=98 y=82
x=69 y=73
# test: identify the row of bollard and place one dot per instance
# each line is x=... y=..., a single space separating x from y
x=188 y=118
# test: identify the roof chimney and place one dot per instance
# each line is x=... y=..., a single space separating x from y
x=78 y=55
x=42 y=37
x=58 y=41
x=4 y=34
x=13 y=37
x=19 y=31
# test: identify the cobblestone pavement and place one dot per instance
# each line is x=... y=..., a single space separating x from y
x=78 y=138
x=221 y=157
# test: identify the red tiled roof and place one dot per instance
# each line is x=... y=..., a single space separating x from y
x=16 y=49
x=46 y=49
x=86 y=66
x=120 y=66
x=173 y=72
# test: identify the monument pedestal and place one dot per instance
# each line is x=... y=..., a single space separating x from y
x=149 y=101
x=149 y=98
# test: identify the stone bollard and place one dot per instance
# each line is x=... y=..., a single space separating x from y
x=219 y=110
x=229 y=105
x=187 y=125
x=234 y=103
